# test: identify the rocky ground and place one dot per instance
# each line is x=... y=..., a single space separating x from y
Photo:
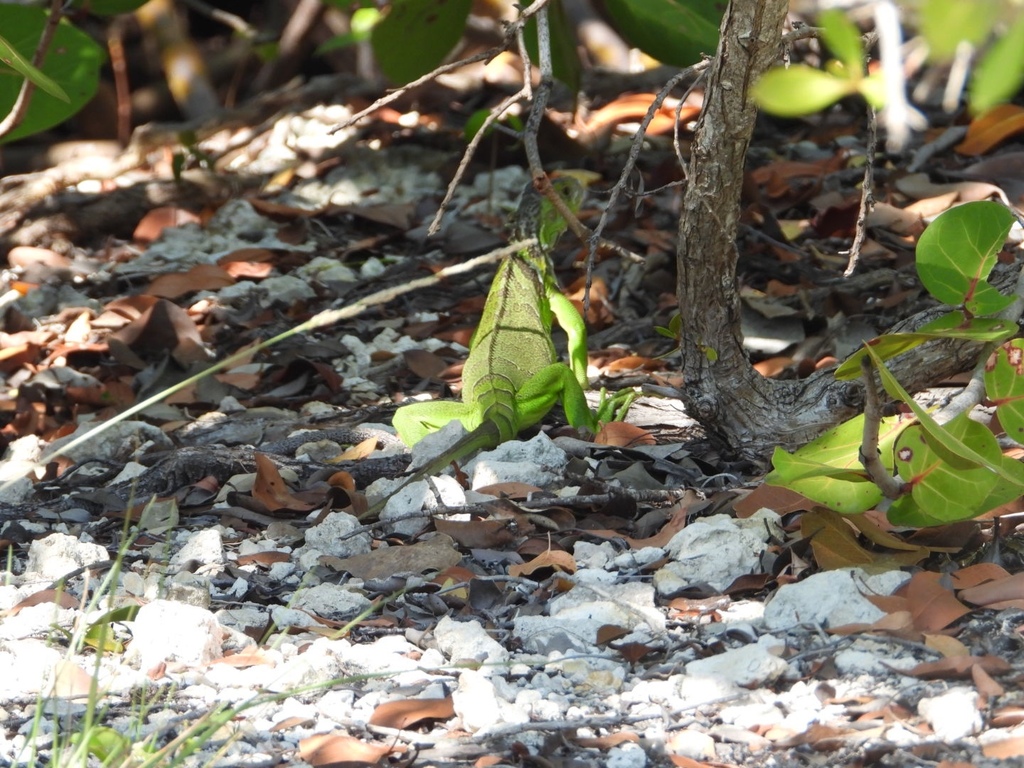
x=197 y=580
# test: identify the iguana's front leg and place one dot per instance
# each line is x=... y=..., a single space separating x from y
x=535 y=398
x=612 y=408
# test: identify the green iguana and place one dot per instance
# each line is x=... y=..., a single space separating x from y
x=513 y=377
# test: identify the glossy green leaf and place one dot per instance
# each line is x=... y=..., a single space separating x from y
x=828 y=470
x=943 y=442
x=10 y=57
x=416 y=35
x=952 y=325
x=945 y=492
x=800 y=90
x=1004 y=385
x=1000 y=73
x=947 y=23
x=843 y=40
x=957 y=251
x=676 y=32
x=73 y=62
x=846 y=491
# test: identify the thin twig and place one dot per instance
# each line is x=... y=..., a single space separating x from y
x=891 y=487
x=467 y=155
x=634 y=153
x=867 y=196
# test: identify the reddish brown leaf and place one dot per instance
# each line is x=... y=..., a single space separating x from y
x=328 y=749
x=1008 y=716
x=480 y=534
x=201 y=277
x=264 y=558
x=25 y=256
x=623 y=435
x=157 y=220
x=271 y=491
x=774 y=497
x=932 y=605
x=424 y=364
x=633 y=107
x=61 y=598
x=608 y=740
x=1004 y=749
x=991 y=129
x=999 y=590
x=556 y=560
x=408 y=712
x=985 y=684
x=958 y=667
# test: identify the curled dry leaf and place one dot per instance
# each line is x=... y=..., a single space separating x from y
x=556 y=560
x=996 y=591
x=958 y=667
x=157 y=220
x=992 y=128
x=327 y=749
x=623 y=435
x=201 y=277
x=408 y=712
x=271 y=491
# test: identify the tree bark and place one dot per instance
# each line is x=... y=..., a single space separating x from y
x=722 y=391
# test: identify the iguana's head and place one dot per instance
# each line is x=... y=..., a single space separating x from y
x=537 y=217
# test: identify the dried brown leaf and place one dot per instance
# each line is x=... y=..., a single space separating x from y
x=329 y=749
x=408 y=712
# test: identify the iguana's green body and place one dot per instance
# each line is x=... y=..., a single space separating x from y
x=513 y=377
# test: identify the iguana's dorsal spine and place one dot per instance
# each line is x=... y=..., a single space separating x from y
x=513 y=339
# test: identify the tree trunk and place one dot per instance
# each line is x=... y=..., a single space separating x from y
x=722 y=391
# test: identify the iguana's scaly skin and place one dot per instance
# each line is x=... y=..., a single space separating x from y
x=512 y=343
x=513 y=340
x=512 y=376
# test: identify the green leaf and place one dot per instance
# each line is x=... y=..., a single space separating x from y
x=675 y=32
x=872 y=88
x=800 y=90
x=947 y=23
x=847 y=491
x=946 y=492
x=361 y=25
x=10 y=56
x=828 y=470
x=1004 y=385
x=105 y=743
x=946 y=444
x=952 y=325
x=843 y=40
x=1000 y=73
x=957 y=251
x=73 y=62
x=416 y=35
